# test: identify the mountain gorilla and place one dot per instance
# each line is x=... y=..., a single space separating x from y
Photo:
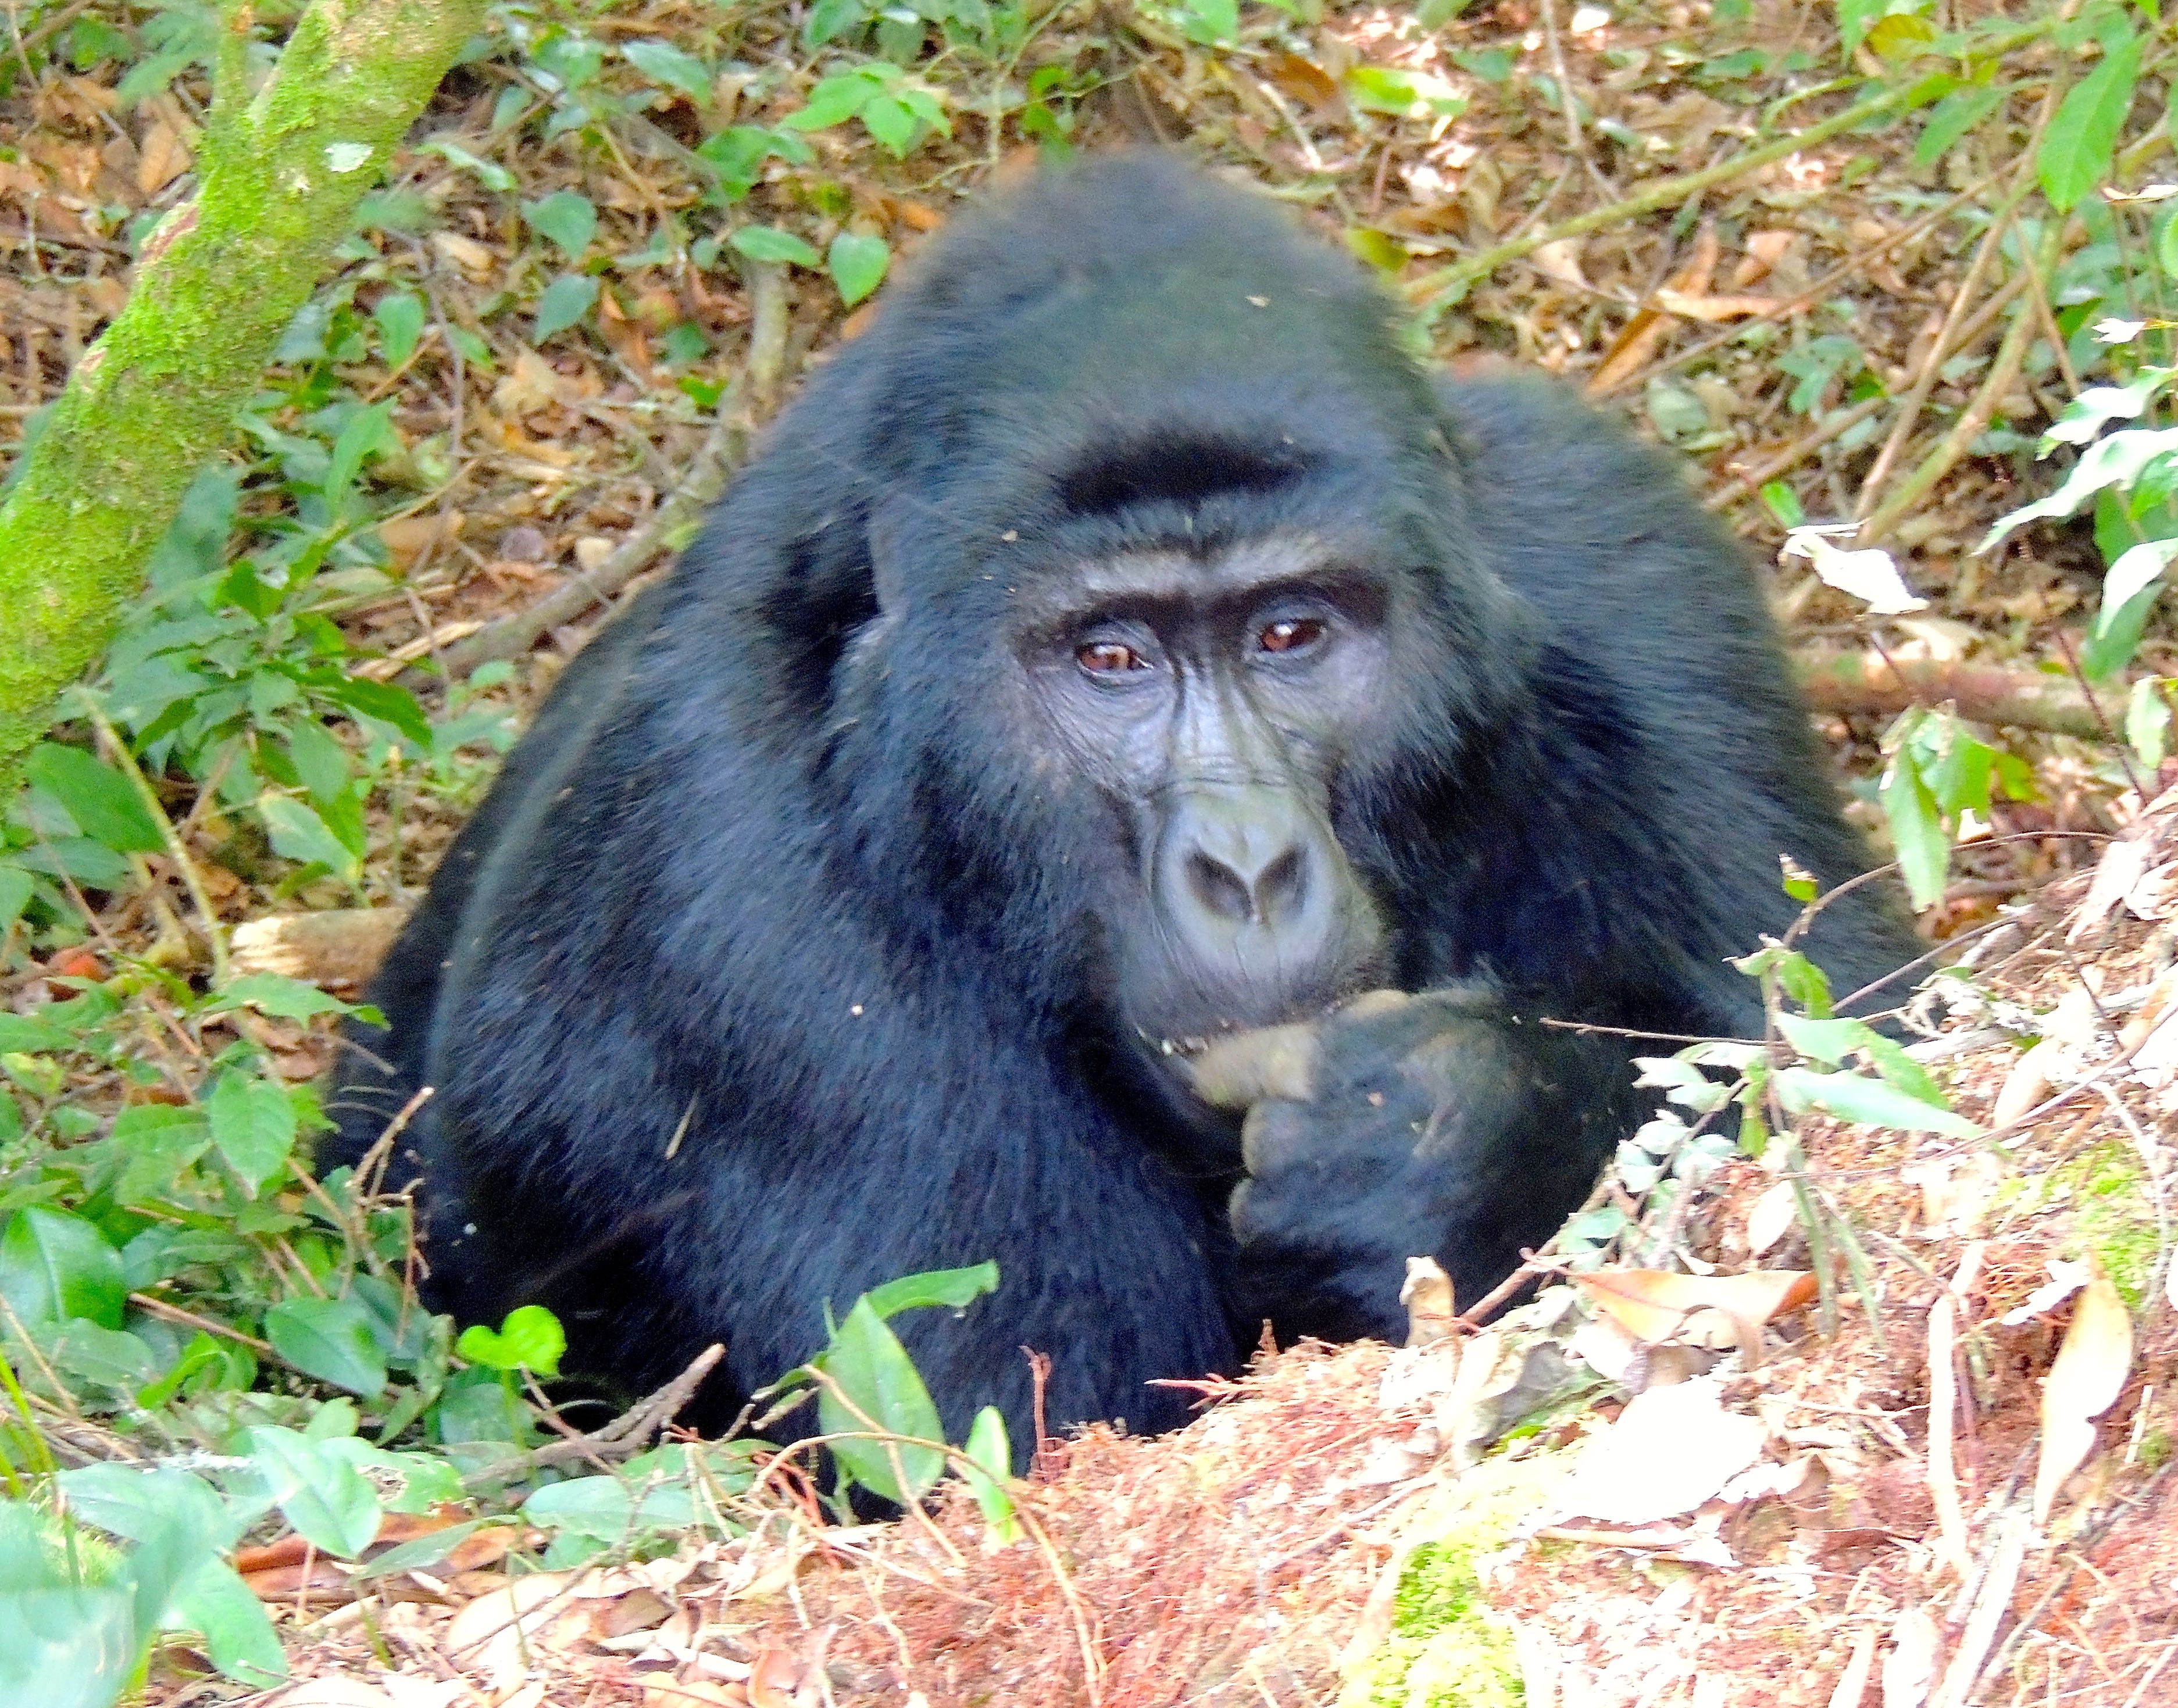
x=1121 y=643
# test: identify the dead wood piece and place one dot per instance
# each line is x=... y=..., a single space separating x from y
x=340 y=947
x=1869 y=682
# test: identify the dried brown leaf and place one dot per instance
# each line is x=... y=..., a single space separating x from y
x=2085 y=1381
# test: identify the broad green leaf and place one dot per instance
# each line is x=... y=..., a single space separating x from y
x=662 y=63
x=610 y=1507
x=16 y=888
x=217 y=1605
x=769 y=244
x=155 y=1143
x=1917 y=830
x=297 y=833
x=329 y=1501
x=329 y=1339
x=2096 y=408
x=566 y=300
x=567 y=216
x=2139 y=566
x=425 y=1552
x=1951 y=118
x=876 y=1375
x=2074 y=155
x=400 y=319
x=1827 y=1041
x=858 y=264
x=1870 y=1103
x=530 y=1338
x=1855 y=19
x=253 y=1123
x=55 y=1266
x=952 y=1288
x=988 y=1450
x=840 y=97
x=104 y=804
x=280 y=996
x=891 y=123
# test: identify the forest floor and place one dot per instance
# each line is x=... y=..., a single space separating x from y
x=1801 y=1530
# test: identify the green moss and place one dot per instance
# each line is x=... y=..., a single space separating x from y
x=2155 y=1447
x=1447 y=1650
x=2116 y=1218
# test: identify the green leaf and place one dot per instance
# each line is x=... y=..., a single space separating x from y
x=217 y=1605
x=769 y=244
x=367 y=433
x=662 y=63
x=567 y=216
x=1855 y=19
x=1870 y=1103
x=988 y=1450
x=954 y=1289
x=1917 y=830
x=609 y=1508
x=104 y=804
x=530 y=1338
x=16 y=889
x=155 y=1144
x=2074 y=155
x=488 y=173
x=890 y=122
x=858 y=264
x=253 y=1123
x=566 y=300
x=299 y=834
x=840 y=97
x=329 y=1339
x=330 y=1503
x=1951 y=118
x=2116 y=461
x=1827 y=1041
x=874 y=1373
x=55 y=1266
x=280 y=998
x=400 y=320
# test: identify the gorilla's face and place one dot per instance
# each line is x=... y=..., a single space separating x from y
x=1211 y=698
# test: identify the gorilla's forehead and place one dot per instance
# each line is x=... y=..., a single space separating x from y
x=1245 y=567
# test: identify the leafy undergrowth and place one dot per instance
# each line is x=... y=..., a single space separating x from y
x=616 y=236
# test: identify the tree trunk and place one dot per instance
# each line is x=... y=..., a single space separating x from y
x=279 y=177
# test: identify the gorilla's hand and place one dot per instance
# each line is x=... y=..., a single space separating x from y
x=1405 y=1125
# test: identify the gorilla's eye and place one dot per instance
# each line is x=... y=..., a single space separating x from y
x=1110 y=658
x=1291 y=634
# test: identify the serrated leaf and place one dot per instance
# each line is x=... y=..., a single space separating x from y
x=2074 y=155
x=253 y=1123
x=769 y=244
x=55 y=1266
x=568 y=217
x=564 y=301
x=1870 y=1103
x=104 y=804
x=858 y=264
x=155 y=1144
x=329 y=1339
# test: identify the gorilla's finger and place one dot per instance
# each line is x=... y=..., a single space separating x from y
x=1275 y=1136
x=1276 y=1061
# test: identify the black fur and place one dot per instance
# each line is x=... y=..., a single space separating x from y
x=780 y=961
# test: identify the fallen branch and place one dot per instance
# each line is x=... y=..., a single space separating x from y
x=624 y=1437
x=1863 y=683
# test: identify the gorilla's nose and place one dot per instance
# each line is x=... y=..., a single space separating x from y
x=1241 y=858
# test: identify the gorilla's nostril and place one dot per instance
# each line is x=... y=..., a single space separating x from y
x=1219 y=888
x=1279 y=886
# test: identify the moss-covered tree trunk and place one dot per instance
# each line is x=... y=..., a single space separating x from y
x=279 y=176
